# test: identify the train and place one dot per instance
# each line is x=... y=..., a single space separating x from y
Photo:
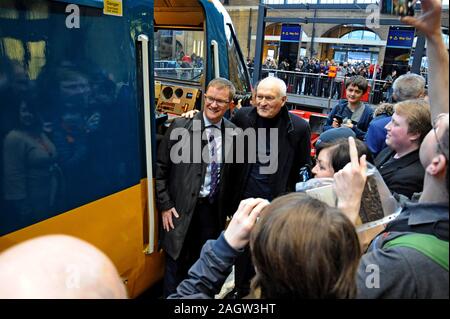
x=86 y=86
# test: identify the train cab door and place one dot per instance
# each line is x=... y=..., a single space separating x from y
x=194 y=43
x=76 y=128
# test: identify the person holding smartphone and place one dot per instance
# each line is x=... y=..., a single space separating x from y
x=352 y=112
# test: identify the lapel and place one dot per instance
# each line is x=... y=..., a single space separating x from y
x=197 y=132
x=383 y=157
x=228 y=140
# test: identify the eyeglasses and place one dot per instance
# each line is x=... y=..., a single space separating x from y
x=211 y=100
x=440 y=148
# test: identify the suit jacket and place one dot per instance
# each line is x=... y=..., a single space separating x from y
x=178 y=184
x=403 y=176
x=294 y=149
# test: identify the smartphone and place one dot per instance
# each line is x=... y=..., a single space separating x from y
x=397 y=7
x=339 y=119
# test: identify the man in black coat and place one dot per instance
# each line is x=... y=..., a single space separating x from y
x=399 y=163
x=288 y=151
x=190 y=179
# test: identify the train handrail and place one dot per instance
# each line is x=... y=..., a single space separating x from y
x=215 y=47
x=148 y=141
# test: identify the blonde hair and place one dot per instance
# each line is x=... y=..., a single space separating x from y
x=418 y=116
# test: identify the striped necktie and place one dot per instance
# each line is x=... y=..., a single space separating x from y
x=215 y=168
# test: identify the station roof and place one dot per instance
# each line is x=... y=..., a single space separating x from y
x=188 y=13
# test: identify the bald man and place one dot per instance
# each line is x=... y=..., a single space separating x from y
x=58 y=267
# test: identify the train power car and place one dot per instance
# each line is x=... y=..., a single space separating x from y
x=83 y=84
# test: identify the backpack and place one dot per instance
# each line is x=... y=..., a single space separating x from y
x=429 y=245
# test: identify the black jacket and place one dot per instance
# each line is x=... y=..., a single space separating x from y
x=294 y=150
x=403 y=176
x=178 y=185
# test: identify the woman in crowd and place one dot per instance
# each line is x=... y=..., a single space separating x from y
x=289 y=230
x=332 y=156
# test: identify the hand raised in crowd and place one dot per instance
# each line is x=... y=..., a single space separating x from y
x=348 y=124
x=238 y=231
x=349 y=183
x=167 y=218
x=429 y=23
x=190 y=114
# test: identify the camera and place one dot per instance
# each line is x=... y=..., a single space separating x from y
x=245 y=99
x=339 y=119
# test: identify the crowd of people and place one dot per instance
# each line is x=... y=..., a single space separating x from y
x=287 y=245
x=326 y=78
x=408 y=259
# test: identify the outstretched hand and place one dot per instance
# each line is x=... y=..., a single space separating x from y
x=238 y=231
x=190 y=114
x=349 y=183
x=429 y=22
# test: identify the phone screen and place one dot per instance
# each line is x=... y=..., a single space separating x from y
x=397 y=7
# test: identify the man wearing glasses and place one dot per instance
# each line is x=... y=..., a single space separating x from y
x=190 y=192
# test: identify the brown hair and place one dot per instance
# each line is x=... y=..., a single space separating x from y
x=303 y=249
x=384 y=108
x=358 y=81
x=339 y=152
x=418 y=117
x=221 y=83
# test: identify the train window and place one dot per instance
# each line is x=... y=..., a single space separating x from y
x=179 y=54
x=68 y=120
x=236 y=67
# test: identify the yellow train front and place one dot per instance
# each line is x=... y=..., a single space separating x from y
x=78 y=120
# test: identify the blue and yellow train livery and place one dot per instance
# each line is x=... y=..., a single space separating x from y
x=84 y=85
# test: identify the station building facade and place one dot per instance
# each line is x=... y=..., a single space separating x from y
x=342 y=42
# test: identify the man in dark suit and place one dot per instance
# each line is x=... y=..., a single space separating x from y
x=399 y=163
x=190 y=181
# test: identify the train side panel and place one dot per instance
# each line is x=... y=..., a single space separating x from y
x=73 y=159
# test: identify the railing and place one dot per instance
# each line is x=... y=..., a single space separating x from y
x=320 y=85
x=189 y=74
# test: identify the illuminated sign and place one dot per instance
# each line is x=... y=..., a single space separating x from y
x=400 y=38
x=291 y=33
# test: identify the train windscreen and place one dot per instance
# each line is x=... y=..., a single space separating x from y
x=179 y=54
